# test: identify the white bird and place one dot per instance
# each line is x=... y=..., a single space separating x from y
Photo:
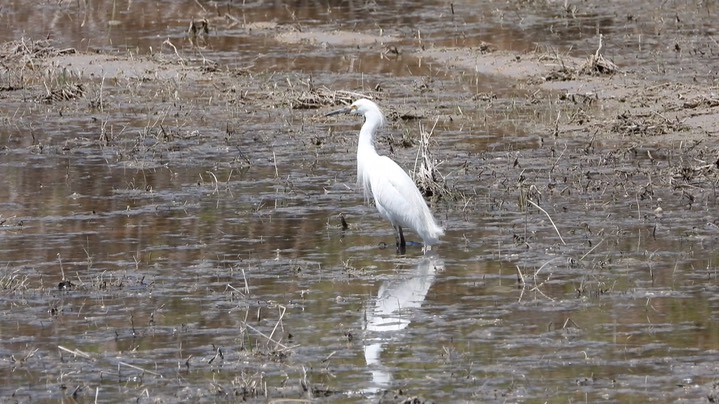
x=395 y=194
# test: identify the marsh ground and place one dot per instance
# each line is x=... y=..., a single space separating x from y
x=169 y=209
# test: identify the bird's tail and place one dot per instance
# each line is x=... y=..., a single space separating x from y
x=433 y=233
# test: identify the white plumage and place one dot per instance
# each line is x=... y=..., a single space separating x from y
x=395 y=194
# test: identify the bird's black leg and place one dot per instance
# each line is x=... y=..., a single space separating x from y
x=401 y=245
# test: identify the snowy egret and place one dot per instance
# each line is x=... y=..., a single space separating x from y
x=395 y=194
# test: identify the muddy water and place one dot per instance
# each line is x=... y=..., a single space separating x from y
x=195 y=252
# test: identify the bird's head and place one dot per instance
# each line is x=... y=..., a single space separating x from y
x=364 y=107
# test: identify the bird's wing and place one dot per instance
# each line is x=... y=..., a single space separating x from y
x=396 y=194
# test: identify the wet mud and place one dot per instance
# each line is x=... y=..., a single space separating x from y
x=179 y=221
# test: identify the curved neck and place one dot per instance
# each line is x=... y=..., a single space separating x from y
x=370 y=126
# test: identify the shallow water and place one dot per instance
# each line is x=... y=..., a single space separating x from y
x=198 y=254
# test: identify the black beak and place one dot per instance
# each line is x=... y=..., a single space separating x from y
x=345 y=110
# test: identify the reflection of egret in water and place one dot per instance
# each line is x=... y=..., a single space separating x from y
x=392 y=313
